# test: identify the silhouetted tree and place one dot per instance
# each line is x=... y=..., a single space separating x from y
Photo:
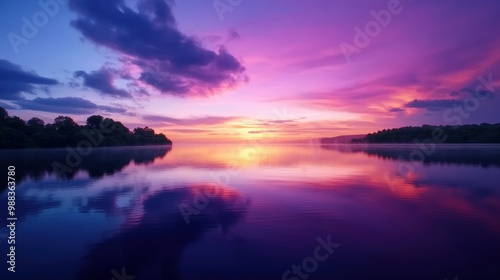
x=16 y=133
x=483 y=133
x=16 y=123
x=3 y=114
x=65 y=124
x=36 y=123
x=94 y=121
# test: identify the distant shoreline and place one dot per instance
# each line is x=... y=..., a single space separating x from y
x=410 y=144
x=459 y=134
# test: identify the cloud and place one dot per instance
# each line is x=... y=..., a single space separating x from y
x=102 y=81
x=14 y=81
x=432 y=104
x=319 y=61
x=395 y=110
x=263 y=131
x=233 y=35
x=287 y=122
x=149 y=37
x=66 y=105
x=188 y=131
x=7 y=106
x=469 y=92
x=208 y=120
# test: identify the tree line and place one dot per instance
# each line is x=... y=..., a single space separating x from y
x=15 y=133
x=475 y=133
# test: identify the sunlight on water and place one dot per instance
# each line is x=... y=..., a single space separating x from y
x=240 y=212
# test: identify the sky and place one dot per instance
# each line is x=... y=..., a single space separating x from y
x=237 y=70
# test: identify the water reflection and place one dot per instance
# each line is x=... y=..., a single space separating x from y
x=28 y=206
x=153 y=247
x=270 y=205
x=36 y=164
x=481 y=155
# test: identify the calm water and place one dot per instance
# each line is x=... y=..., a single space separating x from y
x=236 y=212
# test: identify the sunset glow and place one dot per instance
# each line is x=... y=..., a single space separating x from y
x=259 y=70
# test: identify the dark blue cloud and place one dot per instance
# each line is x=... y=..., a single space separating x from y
x=102 y=81
x=14 y=81
x=460 y=97
x=149 y=35
x=396 y=110
x=66 y=105
x=432 y=104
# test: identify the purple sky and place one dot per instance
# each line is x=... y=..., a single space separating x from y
x=212 y=70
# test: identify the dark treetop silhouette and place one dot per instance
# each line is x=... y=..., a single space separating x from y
x=475 y=133
x=15 y=133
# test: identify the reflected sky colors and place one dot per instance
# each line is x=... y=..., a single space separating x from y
x=199 y=71
x=267 y=206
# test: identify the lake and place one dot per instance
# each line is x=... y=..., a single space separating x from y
x=256 y=212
